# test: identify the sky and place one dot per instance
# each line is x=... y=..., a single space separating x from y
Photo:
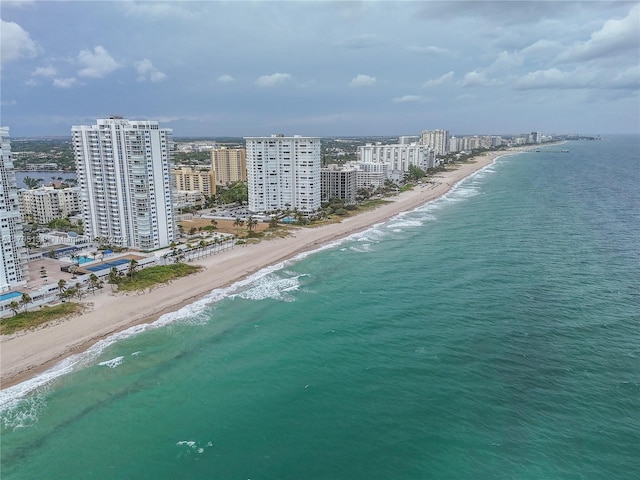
x=332 y=68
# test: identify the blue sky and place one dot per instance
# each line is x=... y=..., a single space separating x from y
x=322 y=68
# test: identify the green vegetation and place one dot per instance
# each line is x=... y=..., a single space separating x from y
x=148 y=277
x=236 y=193
x=43 y=150
x=28 y=320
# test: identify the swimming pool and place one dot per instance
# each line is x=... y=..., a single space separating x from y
x=7 y=296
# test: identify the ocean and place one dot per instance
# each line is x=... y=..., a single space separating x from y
x=491 y=334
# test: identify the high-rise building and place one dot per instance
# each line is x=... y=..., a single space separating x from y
x=437 y=140
x=397 y=157
x=229 y=165
x=283 y=173
x=339 y=182
x=13 y=255
x=123 y=173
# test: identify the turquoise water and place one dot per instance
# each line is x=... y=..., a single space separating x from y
x=492 y=334
x=7 y=296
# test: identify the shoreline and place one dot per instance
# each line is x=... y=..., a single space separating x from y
x=27 y=354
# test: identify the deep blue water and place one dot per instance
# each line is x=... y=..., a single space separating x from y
x=492 y=334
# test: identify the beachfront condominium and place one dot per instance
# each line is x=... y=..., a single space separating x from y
x=398 y=157
x=13 y=254
x=283 y=173
x=123 y=169
x=229 y=165
x=437 y=140
x=43 y=204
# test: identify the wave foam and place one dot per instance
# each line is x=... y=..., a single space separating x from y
x=113 y=363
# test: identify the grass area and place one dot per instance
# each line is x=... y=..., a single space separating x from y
x=148 y=277
x=31 y=319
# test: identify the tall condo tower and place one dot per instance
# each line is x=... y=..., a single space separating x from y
x=283 y=173
x=123 y=174
x=229 y=165
x=13 y=255
x=437 y=140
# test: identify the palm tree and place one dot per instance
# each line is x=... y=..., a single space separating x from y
x=25 y=300
x=238 y=222
x=131 y=269
x=251 y=223
x=214 y=223
x=14 y=307
x=113 y=277
x=62 y=283
x=94 y=282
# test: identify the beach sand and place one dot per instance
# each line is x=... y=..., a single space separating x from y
x=26 y=354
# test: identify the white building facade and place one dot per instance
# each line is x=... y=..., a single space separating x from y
x=283 y=173
x=13 y=254
x=43 y=204
x=437 y=140
x=397 y=158
x=123 y=170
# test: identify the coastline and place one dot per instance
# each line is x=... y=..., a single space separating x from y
x=26 y=355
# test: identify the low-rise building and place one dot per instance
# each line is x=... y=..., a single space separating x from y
x=188 y=179
x=41 y=205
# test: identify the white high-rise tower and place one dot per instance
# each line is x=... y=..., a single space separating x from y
x=123 y=174
x=13 y=258
x=283 y=173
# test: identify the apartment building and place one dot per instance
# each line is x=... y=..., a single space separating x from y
x=283 y=173
x=398 y=157
x=229 y=165
x=123 y=169
x=13 y=254
x=189 y=179
x=41 y=205
x=339 y=182
x=437 y=140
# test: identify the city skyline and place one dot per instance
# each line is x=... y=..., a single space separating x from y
x=322 y=68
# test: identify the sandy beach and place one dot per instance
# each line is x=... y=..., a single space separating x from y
x=26 y=354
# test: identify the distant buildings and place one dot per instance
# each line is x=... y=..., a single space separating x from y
x=41 y=205
x=201 y=179
x=437 y=140
x=283 y=173
x=397 y=158
x=229 y=165
x=13 y=255
x=123 y=175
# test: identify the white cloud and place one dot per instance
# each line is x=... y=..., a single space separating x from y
x=358 y=42
x=225 y=79
x=580 y=78
x=428 y=49
x=363 y=81
x=44 y=72
x=477 y=79
x=65 y=82
x=615 y=38
x=97 y=63
x=550 y=78
x=15 y=43
x=273 y=80
x=439 y=81
x=146 y=71
x=408 y=99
